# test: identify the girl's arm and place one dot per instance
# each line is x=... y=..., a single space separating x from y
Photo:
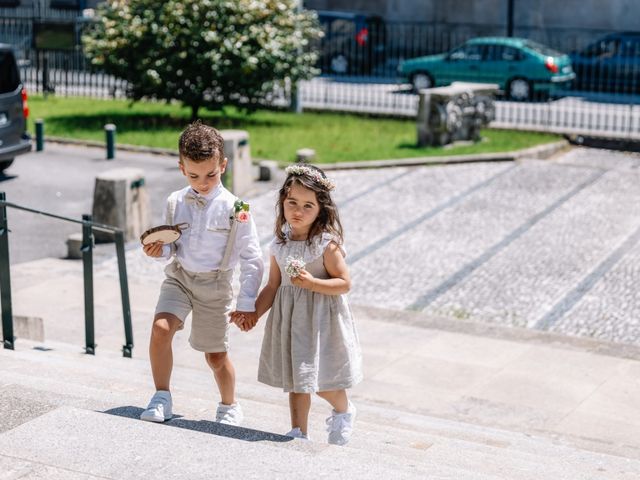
x=340 y=281
x=268 y=293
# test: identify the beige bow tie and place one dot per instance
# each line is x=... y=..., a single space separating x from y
x=196 y=200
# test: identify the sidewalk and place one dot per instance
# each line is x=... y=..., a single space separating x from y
x=582 y=391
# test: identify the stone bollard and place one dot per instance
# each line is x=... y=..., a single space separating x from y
x=120 y=199
x=455 y=112
x=267 y=170
x=238 y=177
x=74 y=244
x=305 y=155
x=28 y=327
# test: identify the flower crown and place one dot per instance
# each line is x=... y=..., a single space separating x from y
x=312 y=173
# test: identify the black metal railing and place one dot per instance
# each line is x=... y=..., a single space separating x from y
x=88 y=225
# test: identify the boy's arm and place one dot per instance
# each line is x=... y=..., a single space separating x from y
x=166 y=250
x=251 y=266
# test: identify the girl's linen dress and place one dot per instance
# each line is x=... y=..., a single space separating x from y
x=310 y=341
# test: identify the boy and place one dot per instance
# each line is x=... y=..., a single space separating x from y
x=220 y=233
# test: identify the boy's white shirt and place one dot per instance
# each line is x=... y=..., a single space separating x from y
x=202 y=245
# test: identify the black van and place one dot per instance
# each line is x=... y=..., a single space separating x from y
x=353 y=43
x=14 y=139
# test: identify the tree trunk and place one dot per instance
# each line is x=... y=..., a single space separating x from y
x=194 y=112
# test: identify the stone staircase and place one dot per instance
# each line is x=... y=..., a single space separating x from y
x=67 y=415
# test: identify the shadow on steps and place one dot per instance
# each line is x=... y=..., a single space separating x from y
x=206 y=426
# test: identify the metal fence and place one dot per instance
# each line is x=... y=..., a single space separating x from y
x=360 y=74
x=88 y=227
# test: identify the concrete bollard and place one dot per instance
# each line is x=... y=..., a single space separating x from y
x=28 y=327
x=110 y=134
x=120 y=199
x=74 y=243
x=305 y=155
x=39 y=135
x=455 y=112
x=238 y=177
x=267 y=170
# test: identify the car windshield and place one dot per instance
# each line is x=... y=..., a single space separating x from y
x=542 y=49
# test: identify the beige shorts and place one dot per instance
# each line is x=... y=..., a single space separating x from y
x=208 y=296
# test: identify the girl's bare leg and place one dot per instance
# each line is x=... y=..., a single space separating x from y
x=299 y=405
x=337 y=398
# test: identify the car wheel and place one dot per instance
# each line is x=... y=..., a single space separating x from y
x=421 y=80
x=339 y=64
x=519 y=89
x=4 y=164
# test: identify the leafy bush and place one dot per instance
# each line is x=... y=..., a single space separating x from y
x=204 y=53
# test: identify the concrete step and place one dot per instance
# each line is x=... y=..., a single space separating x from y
x=44 y=381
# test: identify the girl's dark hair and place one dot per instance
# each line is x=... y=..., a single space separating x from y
x=328 y=219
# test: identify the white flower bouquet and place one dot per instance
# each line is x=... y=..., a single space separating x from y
x=293 y=267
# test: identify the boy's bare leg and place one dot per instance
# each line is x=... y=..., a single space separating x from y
x=299 y=405
x=165 y=326
x=337 y=398
x=225 y=375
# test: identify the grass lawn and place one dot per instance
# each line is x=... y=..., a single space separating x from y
x=273 y=135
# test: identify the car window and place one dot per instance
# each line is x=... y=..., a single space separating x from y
x=503 y=53
x=467 y=52
x=602 y=49
x=630 y=47
x=339 y=27
x=542 y=49
x=9 y=76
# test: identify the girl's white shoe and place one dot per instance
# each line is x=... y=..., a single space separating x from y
x=340 y=425
x=229 y=414
x=297 y=433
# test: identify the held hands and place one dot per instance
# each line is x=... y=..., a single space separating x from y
x=153 y=249
x=245 y=321
x=303 y=280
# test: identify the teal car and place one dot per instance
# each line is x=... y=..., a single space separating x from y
x=522 y=68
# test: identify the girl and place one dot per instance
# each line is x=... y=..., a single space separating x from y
x=310 y=342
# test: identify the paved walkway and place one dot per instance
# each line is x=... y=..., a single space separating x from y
x=552 y=245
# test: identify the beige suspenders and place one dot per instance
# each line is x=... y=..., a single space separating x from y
x=224 y=264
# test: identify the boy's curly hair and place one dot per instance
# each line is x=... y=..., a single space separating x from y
x=200 y=142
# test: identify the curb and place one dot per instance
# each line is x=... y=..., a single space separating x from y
x=540 y=152
x=119 y=146
x=500 y=332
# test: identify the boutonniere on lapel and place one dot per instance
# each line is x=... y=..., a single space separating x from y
x=241 y=211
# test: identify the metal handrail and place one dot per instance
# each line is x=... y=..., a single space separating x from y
x=88 y=225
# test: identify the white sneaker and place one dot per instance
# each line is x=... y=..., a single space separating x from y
x=159 y=408
x=297 y=433
x=229 y=414
x=340 y=425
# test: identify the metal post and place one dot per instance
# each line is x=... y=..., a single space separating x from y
x=510 y=18
x=127 y=349
x=5 y=278
x=296 y=102
x=110 y=131
x=87 y=267
x=46 y=88
x=39 y=135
